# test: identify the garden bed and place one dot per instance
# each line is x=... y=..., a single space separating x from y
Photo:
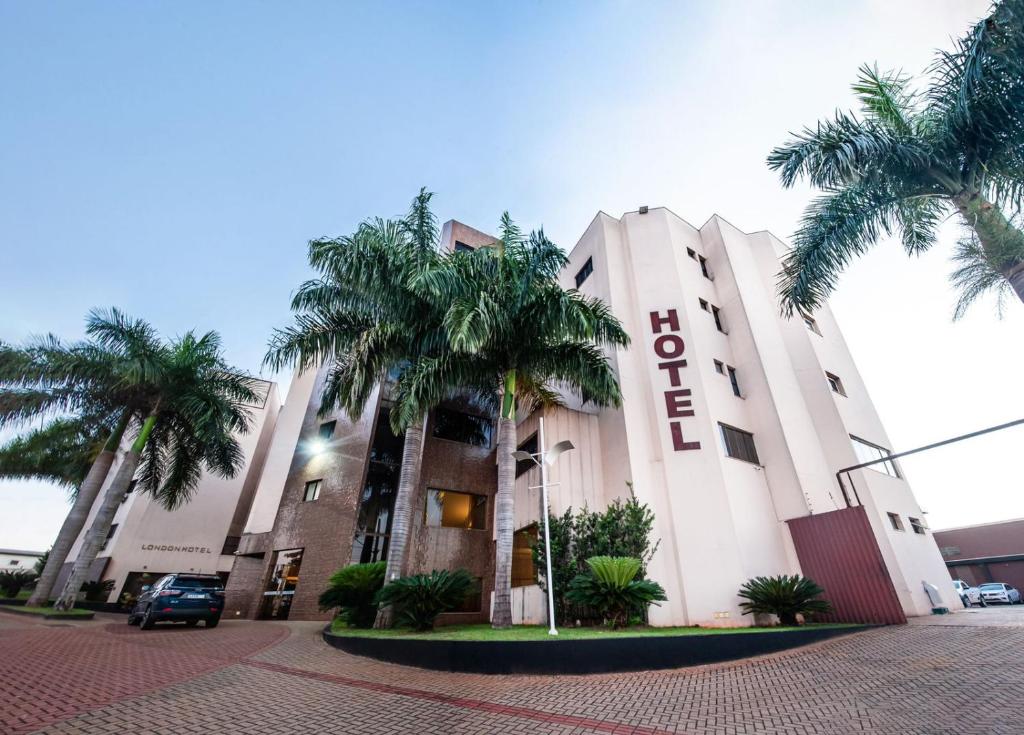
x=530 y=650
x=49 y=613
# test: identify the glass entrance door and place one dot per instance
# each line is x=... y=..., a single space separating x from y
x=284 y=578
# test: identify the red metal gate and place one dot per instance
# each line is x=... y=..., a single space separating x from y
x=838 y=551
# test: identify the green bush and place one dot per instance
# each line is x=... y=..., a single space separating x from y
x=354 y=589
x=612 y=589
x=98 y=591
x=623 y=529
x=419 y=599
x=11 y=581
x=783 y=595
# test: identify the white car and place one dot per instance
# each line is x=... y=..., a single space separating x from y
x=999 y=592
x=968 y=595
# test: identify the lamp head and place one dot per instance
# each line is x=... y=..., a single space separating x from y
x=556 y=451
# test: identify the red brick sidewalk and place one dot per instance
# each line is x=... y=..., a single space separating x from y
x=49 y=672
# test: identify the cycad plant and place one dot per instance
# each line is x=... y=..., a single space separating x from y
x=785 y=596
x=361 y=319
x=353 y=590
x=11 y=581
x=612 y=589
x=911 y=159
x=513 y=333
x=420 y=598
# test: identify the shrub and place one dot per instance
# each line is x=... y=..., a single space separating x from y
x=612 y=589
x=783 y=595
x=419 y=599
x=353 y=589
x=11 y=581
x=622 y=529
x=98 y=591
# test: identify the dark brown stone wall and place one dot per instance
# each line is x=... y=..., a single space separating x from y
x=246 y=575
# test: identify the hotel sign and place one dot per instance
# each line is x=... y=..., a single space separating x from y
x=669 y=347
x=173 y=547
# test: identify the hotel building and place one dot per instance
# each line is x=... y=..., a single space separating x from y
x=734 y=424
x=147 y=541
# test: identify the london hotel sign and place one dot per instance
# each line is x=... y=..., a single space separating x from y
x=669 y=347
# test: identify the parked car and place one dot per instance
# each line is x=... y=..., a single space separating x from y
x=186 y=598
x=999 y=592
x=968 y=595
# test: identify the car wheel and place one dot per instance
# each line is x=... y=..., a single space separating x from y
x=132 y=620
x=212 y=622
x=191 y=623
x=147 y=621
x=982 y=603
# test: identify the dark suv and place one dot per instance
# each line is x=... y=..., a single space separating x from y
x=180 y=597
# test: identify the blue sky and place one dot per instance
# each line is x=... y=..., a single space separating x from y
x=174 y=160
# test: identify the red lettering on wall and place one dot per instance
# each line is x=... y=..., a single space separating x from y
x=672 y=319
x=669 y=347
x=676 y=404
x=677 y=438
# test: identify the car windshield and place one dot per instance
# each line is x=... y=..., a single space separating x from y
x=199 y=582
x=992 y=587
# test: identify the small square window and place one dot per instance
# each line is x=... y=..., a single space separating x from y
x=918 y=525
x=584 y=272
x=692 y=253
x=704 y=305
x=739 y=444
x=311 y=491
x=525 y=465
x=704 y=267
x=719 y=323
x=719 y=367
x=734 y=381
x=327 y=429
x=835 y=384
x=896 y=521
x=13 y=563
x=110 y=535
x=811 y=324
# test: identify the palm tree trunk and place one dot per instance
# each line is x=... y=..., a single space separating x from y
x=77 y=516
x=1002 y=242
x=408 y=479
x=501 y=617
x=100 y=528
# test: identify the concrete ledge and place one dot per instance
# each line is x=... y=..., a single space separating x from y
x=587 y=656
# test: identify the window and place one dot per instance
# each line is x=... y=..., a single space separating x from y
x=918 y=525
x=110 y=535
x=462 y=427
x=311 y=491
x=896 y=521
x=327 y=429
x=377 y=500
x=739 y=444
x=452 y=509
x=461 y=247
x=474 y=600
x=524 y=573
x=734 y=381
x=704 y=305
x=230 y=545
x=719 y=367
x=525 y=465
x=835 y=384
x=130 y=490
x=718 y=319
x=692 y=253
x=704 y=267
x=811 y=324
x=584 y=272
x=868 y=452
x=13 y=563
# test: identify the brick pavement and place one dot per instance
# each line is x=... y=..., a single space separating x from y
x=927 y=679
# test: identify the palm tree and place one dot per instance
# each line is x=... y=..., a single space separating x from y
x=361 y=319
x=46 y=378
x=512 y=332
x=910 y=160
x=184 y=405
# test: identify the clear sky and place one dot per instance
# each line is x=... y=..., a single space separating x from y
x=173 y=160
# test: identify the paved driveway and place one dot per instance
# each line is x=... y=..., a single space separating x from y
x=962 y=675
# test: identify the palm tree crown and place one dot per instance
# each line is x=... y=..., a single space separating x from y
x=913 y=158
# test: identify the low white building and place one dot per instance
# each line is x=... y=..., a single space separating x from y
x=147 y=541
x=18 y=559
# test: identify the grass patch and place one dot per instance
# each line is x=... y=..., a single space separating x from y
x=484 y=632
x=72 y=613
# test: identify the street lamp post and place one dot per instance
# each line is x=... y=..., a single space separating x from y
x=542 y=459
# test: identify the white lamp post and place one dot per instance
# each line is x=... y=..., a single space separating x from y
x=542 y=459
